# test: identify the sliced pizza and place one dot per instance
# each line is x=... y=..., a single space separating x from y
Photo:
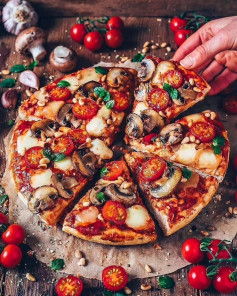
x=175 y=196
x=198 y=141
x=112 y=212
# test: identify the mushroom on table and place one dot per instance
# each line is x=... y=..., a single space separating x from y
x=63 y=59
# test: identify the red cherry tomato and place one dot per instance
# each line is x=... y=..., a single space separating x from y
x=93 y=41
x=79 y=135
x=223 y=283
x=121 y=101
x=78 y=32
x=115 y=22
x=181 y=35
x=114 y=38
x=152 y=169
x=235 y=162
x=3 y=219
x=11 y=256
x=115 y=212
x=33 y=156
x=174 y=78
x=214 y=248
x=63 y=145
x=191 y=250
x=15 y=234
x=85 y=111
x=150 y=138
x=177 y=23
x=113 y=170
x=60 y=94
x=205 y=132
x=158 y=99
x=229 y=104
x=114 y=278
x=198 y=279
x=69 y=286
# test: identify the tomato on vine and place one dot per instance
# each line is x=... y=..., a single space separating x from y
x=114 y=38
x=177 y=23
x=225 y=282
x=198 y=279
x=93 y=40
x=217 y=251
x=181 y=35
x=115 y=22
x=191 y=250
x=78 y=32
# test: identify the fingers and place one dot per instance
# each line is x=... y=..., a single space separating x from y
x=222 y=81
x=212 y=71
x=228 y=58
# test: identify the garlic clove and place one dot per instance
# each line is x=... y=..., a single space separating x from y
x=29 y=78
x=9 y=99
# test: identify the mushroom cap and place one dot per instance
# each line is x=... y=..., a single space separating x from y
x=28 y=38
x=63 y=59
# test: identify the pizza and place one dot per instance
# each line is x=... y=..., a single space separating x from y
x=175 y=196
x=112 y=212
x=198 y=141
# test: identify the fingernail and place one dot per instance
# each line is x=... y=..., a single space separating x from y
x=187 y=62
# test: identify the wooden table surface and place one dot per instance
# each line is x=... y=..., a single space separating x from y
x=56 y=17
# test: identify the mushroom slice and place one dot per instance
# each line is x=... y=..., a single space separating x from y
x=43 y=199
x=81 y=164
x=63 y=192
x=134 y=127
x=141 y=93
x=146 y=70
x=186 y=92
x=125 y=196
x=93 y=194
x=162 y=190
x=61 y=117
x=69 y=182
x=151 y=119
x=88 y=89
x=46 y=125
x=90 y=160
x=172 y=133
x=117 y=77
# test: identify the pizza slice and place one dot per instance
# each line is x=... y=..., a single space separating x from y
x=175 y=196
x=198 y=141
x=112 y=212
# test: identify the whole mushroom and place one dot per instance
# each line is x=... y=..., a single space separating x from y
x=63 y=59
x=17 y=15
x=31 y=41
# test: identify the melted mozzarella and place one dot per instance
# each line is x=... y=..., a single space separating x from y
x=74 y=83
x=25 y=142
x=104 y=112
x=137 y=217
x=191 y=182
x=194 y=117
x=87 y=216
x=51 y=109
x=98 y=147
x=140 y=107
x=96 y=126
x=89 y=74
x=186 y=153
x=64 y=164
x=42 y=178
x=161 y=69
x=207 y=159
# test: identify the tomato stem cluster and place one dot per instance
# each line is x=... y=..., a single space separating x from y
x=195 y=21
x=91 y=25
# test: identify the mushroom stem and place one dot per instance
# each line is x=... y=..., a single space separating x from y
x=38 y=52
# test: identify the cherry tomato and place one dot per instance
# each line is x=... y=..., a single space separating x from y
x=158 y=99
x=181 y=35
x=150 y=138
x=114 y=169
x=198 y=279
x=69 y=286
x=114 y=278
x=214 y=248
x=191 y=250
x=33 y=156
x=152 y=169
x=79 y=136
x=177 y=23
x=174 y=78
x=222 y=282
x=121 y=101
x=60 y=94
x=114 y=38
x=63 y=145
x=235 y=162
x=93 y=41
x=115 y=212
x=205 y=132
x=11 y=256
x=3 y=219
x=85 y=111
x=229 y=104
x=115 y=22
x=15 y=234
x=78 y=32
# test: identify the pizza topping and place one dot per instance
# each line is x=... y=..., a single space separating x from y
x=162 y=68
x=46 y=126
x=94 y=195
x=74 y=83
x=141 y=106
x=79 y=136
x=117 y=77
x=174 y=78
x=141 y=93
x=159 y=99
x=187 y=92
x=112 y=170
x=87 y=216
x=134 y=127
x=63 y=145
x=121 y=101
x=85 y=111
x=88 y=89
x=96 y=126
x=63 y=114
x=69 y=286
x=115 y=212
x=114 y=278
x=41 y=178
x=186 y=154
x=172 y=133
x=149 y=139
x=63 y=192
x=152 y=169
x=43 y=199
x=33 y=156
x=146 y=70
x=166 y=184
x=125 y=196
x=84 y=163
x=98 y=147
x=25 y=142
x=60 y=94
x=151 y=119
x=203 y=131
x=51 y=109
x=137 y=217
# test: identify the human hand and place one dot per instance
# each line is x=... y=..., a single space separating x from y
x=212 y=50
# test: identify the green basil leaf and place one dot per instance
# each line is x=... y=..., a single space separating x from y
x=219 y=141
x=18 y=68
x=119 y=294
x=8 y=83
x=101 y=197
x=138 y=57
x=106 y=98
x=101 y=70
x=166 y=282
x=32 y=65
x=186 y=173
x=3 y=198
x=110 y=104
x=216 y=149
x=103 y=172
x=173 y=92
x=10 y=122
x=58 y=156
x=48 y=154
x=3 y=228
x=63 y=83
x=100 y=91
x=57 y=264
x=108 y=293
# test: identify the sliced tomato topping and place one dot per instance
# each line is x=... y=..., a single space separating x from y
x=115 y=212
x=33 y=156
x=53 y=85
x=158 y=99
x=69 y=286
x=114 y=278
x=113 y=170
x=174 y=78
x=150 y=138
x=121 y=101
x=79 y=135
x=203 y=131
x=63 y=145
x=85 y=111
x=60 y=94
x=93 y=229
x=152 y=169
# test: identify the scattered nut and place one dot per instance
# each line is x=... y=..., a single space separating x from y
x=127 y=291
x=197 y=89
x=78 y=254
x=81 y=102
x=204 y=233
x=58 y=134
x=5 y=72
x=162 y=114
x=163 y=44
x=146 y=44
x=168 y=48
x=148 y=268
x=157 y=247
x=213 y=115
x=235 y=211
x=28 y=92
x=30 y=277
x=145 y=287
x=109 y=121
x=124 y=59
x=100 y=217
x=145 y=50
x=42 y=166
x=183 y=180
x=207 y=114
x=191 y=81
x=82 y=262
x=192 y=139
x=230 y=209
x=74 y=100
x=44 y=160
x=197 y=141
x=154 y=47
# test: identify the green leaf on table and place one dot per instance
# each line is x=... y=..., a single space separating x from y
x=18 y=68
x=103 y=172
x=63 y=83
x=166 y=282
x=57 y=264
x=32 y=65
x=138 y=57
x=3 y=198
x=186 y=173
x=110 y=104
x=101 y=70
x=173 y=92
x=8 y=83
